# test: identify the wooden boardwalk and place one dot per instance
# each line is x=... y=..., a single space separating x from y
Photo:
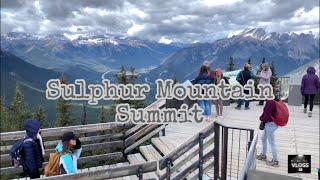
x=300 y=136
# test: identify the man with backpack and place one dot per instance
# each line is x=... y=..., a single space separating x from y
x=275 y=114
x=29 y=152
x=243 y=77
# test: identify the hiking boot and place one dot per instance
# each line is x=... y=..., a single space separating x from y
x=246 y=108
x=261 y=157
x=305 y=110
x=310 y=114
x=238 y=108
x=273 y=163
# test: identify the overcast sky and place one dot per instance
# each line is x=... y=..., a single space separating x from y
x=160 y=20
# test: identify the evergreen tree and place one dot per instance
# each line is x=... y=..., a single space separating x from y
x=63 y=109
x=263 y=60
x=5 y=123
x=230 y=64
x=102 y=116
x=249 y=61
x=40 y=116
x=84 y=115
x=17 y=111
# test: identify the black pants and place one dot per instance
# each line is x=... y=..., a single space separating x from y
x=309 y=98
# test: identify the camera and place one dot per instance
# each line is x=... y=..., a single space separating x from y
x=262 y=124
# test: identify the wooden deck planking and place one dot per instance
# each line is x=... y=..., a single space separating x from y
x=300 y=136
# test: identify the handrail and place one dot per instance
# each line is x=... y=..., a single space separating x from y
x=108 y=173
x=49 y=132
x=186 y=146
x=140 y=133
x=250 y=160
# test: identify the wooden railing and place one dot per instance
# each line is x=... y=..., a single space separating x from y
x=109 y=139
x=140 y=133
x=167 y=162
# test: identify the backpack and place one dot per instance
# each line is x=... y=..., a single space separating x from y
x=15 y=152
x=53 y=166
x=282 y=114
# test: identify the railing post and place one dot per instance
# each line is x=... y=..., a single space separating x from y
x=224 y=159
x=216 y=150
x=250 y=139
x=200 y=156
x=163 y=132
x=168 y=169
x=140 y=173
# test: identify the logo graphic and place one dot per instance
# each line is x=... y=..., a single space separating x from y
x=299 y=163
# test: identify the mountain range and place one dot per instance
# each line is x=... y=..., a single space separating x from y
x=287 y=51
x=99 y=53
x=31 y=61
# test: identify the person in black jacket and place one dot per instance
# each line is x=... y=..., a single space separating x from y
x=243 y=77
x=205 y=77
x=33 y=151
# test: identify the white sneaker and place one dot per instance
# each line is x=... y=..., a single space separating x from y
x=310 y=114
x=305 y=110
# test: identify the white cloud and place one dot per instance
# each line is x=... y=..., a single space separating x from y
x=211 y=3
x=165 y=40
x=134 y=29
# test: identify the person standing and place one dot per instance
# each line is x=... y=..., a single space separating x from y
x=205 y=77
x=217 y=79
x=70 y=150
x=264 y=77
x=269 y=127
x=243 y=77
x=32 y=149
x=309 y=89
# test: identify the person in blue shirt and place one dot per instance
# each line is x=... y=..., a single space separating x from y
x=70 y=149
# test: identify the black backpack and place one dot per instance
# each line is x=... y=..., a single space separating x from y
x=15 y=152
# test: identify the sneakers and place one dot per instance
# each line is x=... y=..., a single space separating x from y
x=261 y=157
x=238 y=108
x=310 y=114
x=246 y=108
x=273 y=163
x=305 y=110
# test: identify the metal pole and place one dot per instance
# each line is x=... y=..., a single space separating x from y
x=216 y=150
x=250 y=139
x=200 y=156
x=168 y=172
x=224 y=160
x=140 y=173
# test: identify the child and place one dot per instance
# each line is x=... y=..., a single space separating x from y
x=219 y=103
x=70 y=149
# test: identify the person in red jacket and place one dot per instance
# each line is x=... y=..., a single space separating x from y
x=269 y=127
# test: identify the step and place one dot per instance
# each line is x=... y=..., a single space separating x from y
x=162 y=146
x=136 y=159
x=150 y=153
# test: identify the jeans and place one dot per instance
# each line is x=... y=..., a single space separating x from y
x=219 y=106
x=309 y=98
x=206 y=106
x=268 y=134
x=240 y=102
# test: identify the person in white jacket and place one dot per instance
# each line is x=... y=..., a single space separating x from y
x=264 y=77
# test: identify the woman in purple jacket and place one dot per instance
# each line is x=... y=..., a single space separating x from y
x=309 y=88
